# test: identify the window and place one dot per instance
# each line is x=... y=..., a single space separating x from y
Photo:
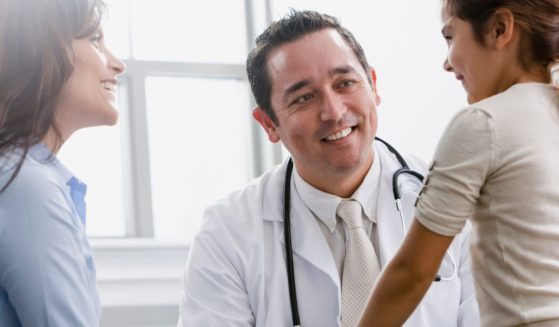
x=101 y=168
x=199 y=150
x=185 y=136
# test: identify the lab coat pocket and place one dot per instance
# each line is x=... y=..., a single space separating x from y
x=442 y=301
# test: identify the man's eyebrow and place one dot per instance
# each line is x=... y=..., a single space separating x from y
x=296 y=87
x=341 y=70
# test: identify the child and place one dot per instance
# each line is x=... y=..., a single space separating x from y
x=498 y=164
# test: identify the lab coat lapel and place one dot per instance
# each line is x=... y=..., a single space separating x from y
x=306 y=237
x=308 y=240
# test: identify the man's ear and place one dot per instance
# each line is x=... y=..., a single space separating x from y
x=374 y=85
x=267 y=124
x=501 y=28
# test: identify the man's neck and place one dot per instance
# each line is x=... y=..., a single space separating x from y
x=342 y=184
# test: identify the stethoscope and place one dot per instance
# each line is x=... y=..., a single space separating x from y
x=287 y=224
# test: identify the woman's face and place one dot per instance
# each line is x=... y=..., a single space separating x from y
x=88 y=98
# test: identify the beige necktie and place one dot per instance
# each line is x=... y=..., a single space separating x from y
x=361 y=267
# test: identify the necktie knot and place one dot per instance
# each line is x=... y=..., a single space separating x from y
x=350 y=212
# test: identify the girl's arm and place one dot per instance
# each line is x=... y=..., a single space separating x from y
x=405 y=280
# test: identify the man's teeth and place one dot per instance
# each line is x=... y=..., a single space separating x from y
x=340 y=135
x=109 y=86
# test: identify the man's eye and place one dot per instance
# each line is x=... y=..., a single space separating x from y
x=346 y=84
x=303 y=99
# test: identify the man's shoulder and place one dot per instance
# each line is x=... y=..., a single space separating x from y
x=247 y=204
x=389 y=158
x=236 y=223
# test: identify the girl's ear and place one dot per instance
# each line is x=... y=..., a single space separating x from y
x=501 y=28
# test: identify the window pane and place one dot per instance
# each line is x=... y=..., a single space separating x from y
x=210 y=31
x=116 y=28
x=94 y=156
x=199 y=148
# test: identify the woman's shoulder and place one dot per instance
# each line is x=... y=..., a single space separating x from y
x=35 y=180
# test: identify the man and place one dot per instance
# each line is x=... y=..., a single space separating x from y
x=316 y=94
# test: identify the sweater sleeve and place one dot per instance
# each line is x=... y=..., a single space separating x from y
x=463 y=159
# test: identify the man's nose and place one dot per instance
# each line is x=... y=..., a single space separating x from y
x=333 y=106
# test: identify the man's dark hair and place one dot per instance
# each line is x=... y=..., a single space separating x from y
x=288 y=29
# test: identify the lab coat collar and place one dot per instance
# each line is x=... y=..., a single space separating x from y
x=272 y=203
x=324 y=205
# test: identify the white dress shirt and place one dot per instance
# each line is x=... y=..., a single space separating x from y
x=323 y=207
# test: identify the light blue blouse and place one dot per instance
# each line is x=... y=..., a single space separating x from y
x=47 y=275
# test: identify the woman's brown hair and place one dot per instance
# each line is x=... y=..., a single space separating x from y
x=35 y=62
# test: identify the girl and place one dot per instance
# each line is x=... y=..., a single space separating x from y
x=497 y=163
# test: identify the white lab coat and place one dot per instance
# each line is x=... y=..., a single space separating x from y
x=236 y=275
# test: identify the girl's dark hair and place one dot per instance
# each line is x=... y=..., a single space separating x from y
x=539 y=20
x=35 y=62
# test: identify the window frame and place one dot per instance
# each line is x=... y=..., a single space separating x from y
x=138 y=206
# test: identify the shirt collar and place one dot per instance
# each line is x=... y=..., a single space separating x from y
x=367 y=193
x=323 y=205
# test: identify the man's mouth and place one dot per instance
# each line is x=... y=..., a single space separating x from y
x=339 y=135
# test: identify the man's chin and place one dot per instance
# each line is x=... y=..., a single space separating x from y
x=348 y=165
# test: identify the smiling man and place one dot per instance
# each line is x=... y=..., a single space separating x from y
x=247 y=267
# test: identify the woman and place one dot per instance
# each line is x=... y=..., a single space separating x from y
x=56 y=77
x=497 y=163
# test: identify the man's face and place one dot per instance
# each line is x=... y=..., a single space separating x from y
x=325 y=105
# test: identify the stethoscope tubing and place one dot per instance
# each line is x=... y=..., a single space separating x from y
x=405 y=169
x=288 y=246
